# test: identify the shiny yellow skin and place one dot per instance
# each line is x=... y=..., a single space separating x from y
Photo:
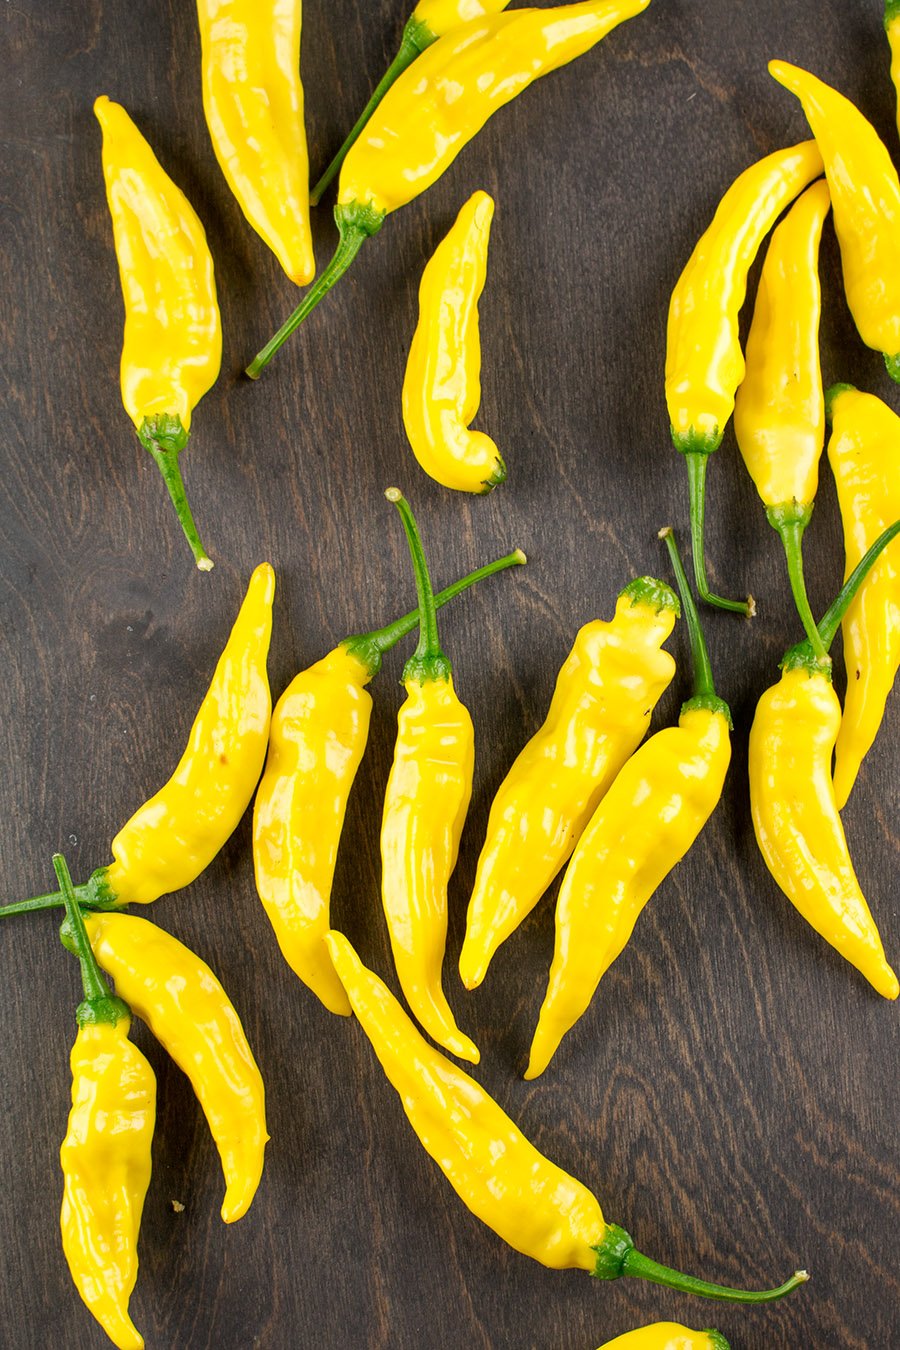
x=444 y=99
x=892 y=28
x=605 y=694
x=425 y=807
x=645 y=824
x=704 y=361
x=796 y=820
x=172 y=350
x=105 y=1160
x=253 y=101
x=442 y=384
x=441 y=16
x=865 y=197
x=779 y=411
x=527 y=1200
x=176 y=834
x=320 y=726
x=189 y=1013
x=665 y=1336
x=864 y=453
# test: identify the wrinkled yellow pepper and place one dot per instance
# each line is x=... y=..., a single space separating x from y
x=667 y=1336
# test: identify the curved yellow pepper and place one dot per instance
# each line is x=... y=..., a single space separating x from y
x=434 y=110
x=253 y=101
x=865 y=196
x=605 y=694
x=425 y=805
x=892 y=28
x=864 y=453
x=536 y=1207
x=172 y=349
x=667 y=1336
x=704 y=361
x=442 y=385
x=779 y=411
x=189 y=1013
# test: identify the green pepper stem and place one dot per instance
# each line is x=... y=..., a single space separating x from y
x=790 y=520
x=704 y=695
x=96 y=893
x=99 y=1004
x=416 y=37
x=831 y=619
x=716 y=1340
x=165 y=457
x=369 y=647
x=696 y=466
x=355 y=223
x=428 y=661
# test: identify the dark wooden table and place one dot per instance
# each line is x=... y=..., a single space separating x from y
x=731 y=1095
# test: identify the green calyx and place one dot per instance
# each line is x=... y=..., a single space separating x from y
x=708 y=703
x=617 y=1257
x=693 y=442
x=834 y=392
x=891 y=11
x=99 y=1006
x=428 y=661
x=368 y=648
x=652 y=594
x=495 y=477
x=356 y=222
x=704 y=695
x=716 y=1340
x=164 y=436
x=790 y=519
x=696 y=451
x=96 y=893
x=892 y=365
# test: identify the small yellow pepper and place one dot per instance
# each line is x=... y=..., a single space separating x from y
x=498 y=1174
x=320 y=726
x=865 y=196
x=645 y=824
x=425 y=805
x=667 y=1336
x=172 y=348
x=892 y=28
x=253 y=101
x=442 y=385
x=704 y=361
x=435 y=109
x=105 y=1156
x=779 y=411
x=189 y=1013
x=792 y=799
x=864 y=453
x=605 y=695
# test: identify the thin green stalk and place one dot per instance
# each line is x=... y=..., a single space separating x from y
x=791 y=520
x=428 y=661
x=696 y=467
x=704 y=695
x=165 y=437
x=99 y=1004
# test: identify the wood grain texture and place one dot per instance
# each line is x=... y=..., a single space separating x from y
x=732 y=1093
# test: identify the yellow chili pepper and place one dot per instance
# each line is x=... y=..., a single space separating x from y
x=436 y=108
x=253 y=101
x=645 y=824
x=704 y=361
x=605 y=694
x=189 y=1013
x=320 y=726
x=865 y=197
x=779 y=410
x=892 y=28
x=442 y=386
x=792 y=799
x=169 y=840
x=864 y=453
x=667 y=1336
x=425 y=805
x=172 y=348
x=527 y=1200
x=105 y=1156
x=429 y=20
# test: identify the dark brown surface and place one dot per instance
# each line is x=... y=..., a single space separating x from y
x=731 y=1096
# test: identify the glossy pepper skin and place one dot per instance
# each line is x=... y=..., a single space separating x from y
x=425 y=804
x=865 y=196
x=864 y=453
x=605 y=694
x=536 y=1207
x=442 y=384
x=792 y=801
x=704 y=361
x=645 y=824
x=253 y=101
x=892 y=29
x=429 y=20
x=189 y=1013
x=667 y=1336
x=172 y=348
x=779 y=411
x=319 y=730
x=436 y=108
x=105 y=1156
